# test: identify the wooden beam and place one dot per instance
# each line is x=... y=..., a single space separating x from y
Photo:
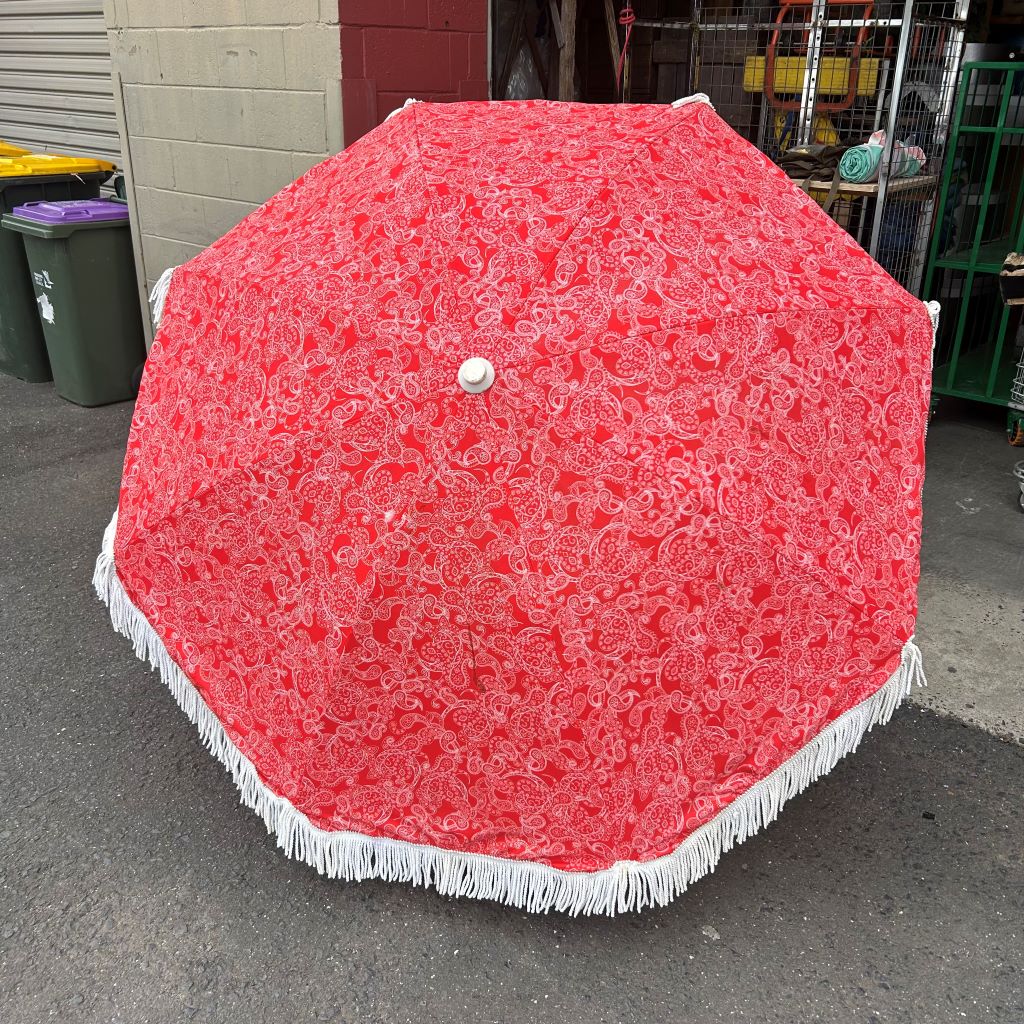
x=611 y=21
x=537 y=62
x=518 y=24
x=567 y=58
x=556 y=22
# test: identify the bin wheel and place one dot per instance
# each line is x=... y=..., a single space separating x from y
x=1015 y=432
x=1020 y=500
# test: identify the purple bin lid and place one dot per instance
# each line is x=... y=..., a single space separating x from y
x=72 y=211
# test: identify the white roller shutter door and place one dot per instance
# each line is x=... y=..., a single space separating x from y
x=56 y=93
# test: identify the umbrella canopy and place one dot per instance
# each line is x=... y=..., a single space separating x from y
x=526 y=501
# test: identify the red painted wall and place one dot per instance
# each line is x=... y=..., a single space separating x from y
x=394 y=49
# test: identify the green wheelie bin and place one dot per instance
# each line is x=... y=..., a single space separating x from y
x=84 y=286
x=25 y=178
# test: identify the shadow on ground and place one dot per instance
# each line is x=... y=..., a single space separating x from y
x=971 y=622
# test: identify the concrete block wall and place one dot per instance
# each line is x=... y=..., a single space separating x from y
x=396 y=49
x=223 y=103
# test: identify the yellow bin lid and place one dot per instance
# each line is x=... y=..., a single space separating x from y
x=40 y=164
x=7 y=150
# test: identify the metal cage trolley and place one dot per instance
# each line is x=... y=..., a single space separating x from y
x=800 y=72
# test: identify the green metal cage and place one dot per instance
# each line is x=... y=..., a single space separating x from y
x=980 y=219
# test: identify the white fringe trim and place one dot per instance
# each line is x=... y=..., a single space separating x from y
x=697 y=97
x=158 y=296
x=408 y=103
x=934 y=310
x=626 y=886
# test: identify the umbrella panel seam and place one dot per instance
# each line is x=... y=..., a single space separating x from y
x=600 y=192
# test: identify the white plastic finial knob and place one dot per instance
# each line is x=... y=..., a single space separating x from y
x=476 y=375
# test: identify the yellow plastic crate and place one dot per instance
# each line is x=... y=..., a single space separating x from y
x=833 y=75
x=41 y=164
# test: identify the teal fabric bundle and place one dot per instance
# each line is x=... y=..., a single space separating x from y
x=860 y=164
x=909 y=165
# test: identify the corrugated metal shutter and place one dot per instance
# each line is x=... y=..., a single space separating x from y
x=56 y=93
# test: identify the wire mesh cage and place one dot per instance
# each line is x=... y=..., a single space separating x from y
x=981 y=220
x=800 y=73
x=785 y=74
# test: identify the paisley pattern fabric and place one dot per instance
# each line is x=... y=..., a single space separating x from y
x=570 y=619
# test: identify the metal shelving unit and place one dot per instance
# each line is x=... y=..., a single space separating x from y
x=981 y=204
x=783 y=73
x=792 y=72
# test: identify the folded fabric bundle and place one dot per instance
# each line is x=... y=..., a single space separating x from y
x=861 y=164
x=907 y=160
x=1011 y=279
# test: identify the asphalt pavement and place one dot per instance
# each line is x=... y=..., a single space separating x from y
x=135 y=889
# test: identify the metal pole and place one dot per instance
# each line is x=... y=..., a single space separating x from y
x=695 y=41
x=931 y=213
x=920 y=251
x=906 y=31
x=883 y=85
x=951 y=71
x=805 y=126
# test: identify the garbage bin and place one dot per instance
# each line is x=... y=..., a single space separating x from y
x=83 y=277
x=7 y=150
x=24 y=179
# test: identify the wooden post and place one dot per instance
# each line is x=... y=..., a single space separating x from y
x=567 y=58
x=612 y=23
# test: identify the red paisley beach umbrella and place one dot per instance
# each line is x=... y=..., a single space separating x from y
x=526 y=501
